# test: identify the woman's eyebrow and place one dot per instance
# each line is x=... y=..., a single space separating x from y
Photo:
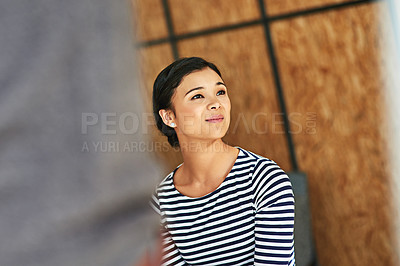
x=198 y=88
x=220 y=83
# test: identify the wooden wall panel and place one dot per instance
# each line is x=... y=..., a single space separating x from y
x=242 y=58
x=149 y=20
x=276 y=7
x=330 y=66
x=152 y=61
x=194 y=15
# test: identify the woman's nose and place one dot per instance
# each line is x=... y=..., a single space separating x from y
x=214 y=105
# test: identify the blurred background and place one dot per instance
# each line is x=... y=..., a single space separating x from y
x=314 y=86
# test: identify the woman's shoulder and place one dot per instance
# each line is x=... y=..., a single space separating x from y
x=260 y=165
x=167 y=181
x=269 y=181
x=254 y=158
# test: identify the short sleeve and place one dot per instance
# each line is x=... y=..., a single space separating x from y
x=274 y=215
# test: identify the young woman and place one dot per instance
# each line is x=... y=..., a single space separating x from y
x=223 y=205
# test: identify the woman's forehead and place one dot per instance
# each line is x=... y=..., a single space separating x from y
x=200 y=78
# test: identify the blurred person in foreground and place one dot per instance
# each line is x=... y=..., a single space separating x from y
x=67 y=74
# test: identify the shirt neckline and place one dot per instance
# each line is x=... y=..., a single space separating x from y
x=212 y=192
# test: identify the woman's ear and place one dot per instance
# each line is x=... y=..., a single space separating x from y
x=168 y=117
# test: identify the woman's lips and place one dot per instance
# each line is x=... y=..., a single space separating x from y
x=215 y=119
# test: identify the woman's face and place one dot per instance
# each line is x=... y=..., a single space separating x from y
x=202 y=107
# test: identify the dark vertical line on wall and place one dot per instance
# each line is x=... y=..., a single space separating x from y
x=278 y=85
x=171 y=33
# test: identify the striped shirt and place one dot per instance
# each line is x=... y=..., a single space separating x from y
x=247 y=220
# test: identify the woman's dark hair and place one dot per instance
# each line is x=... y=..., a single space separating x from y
x=164 y=88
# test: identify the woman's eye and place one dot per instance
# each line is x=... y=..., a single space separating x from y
x=221 y=92
x=197 y=96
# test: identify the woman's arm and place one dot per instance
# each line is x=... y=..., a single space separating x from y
x=274 y=234
x=167 y=253
x=170 y=255
x=274 y=219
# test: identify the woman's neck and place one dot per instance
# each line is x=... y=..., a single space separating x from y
x=202 y=159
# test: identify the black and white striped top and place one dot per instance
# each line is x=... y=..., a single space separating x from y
x=247 y=220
